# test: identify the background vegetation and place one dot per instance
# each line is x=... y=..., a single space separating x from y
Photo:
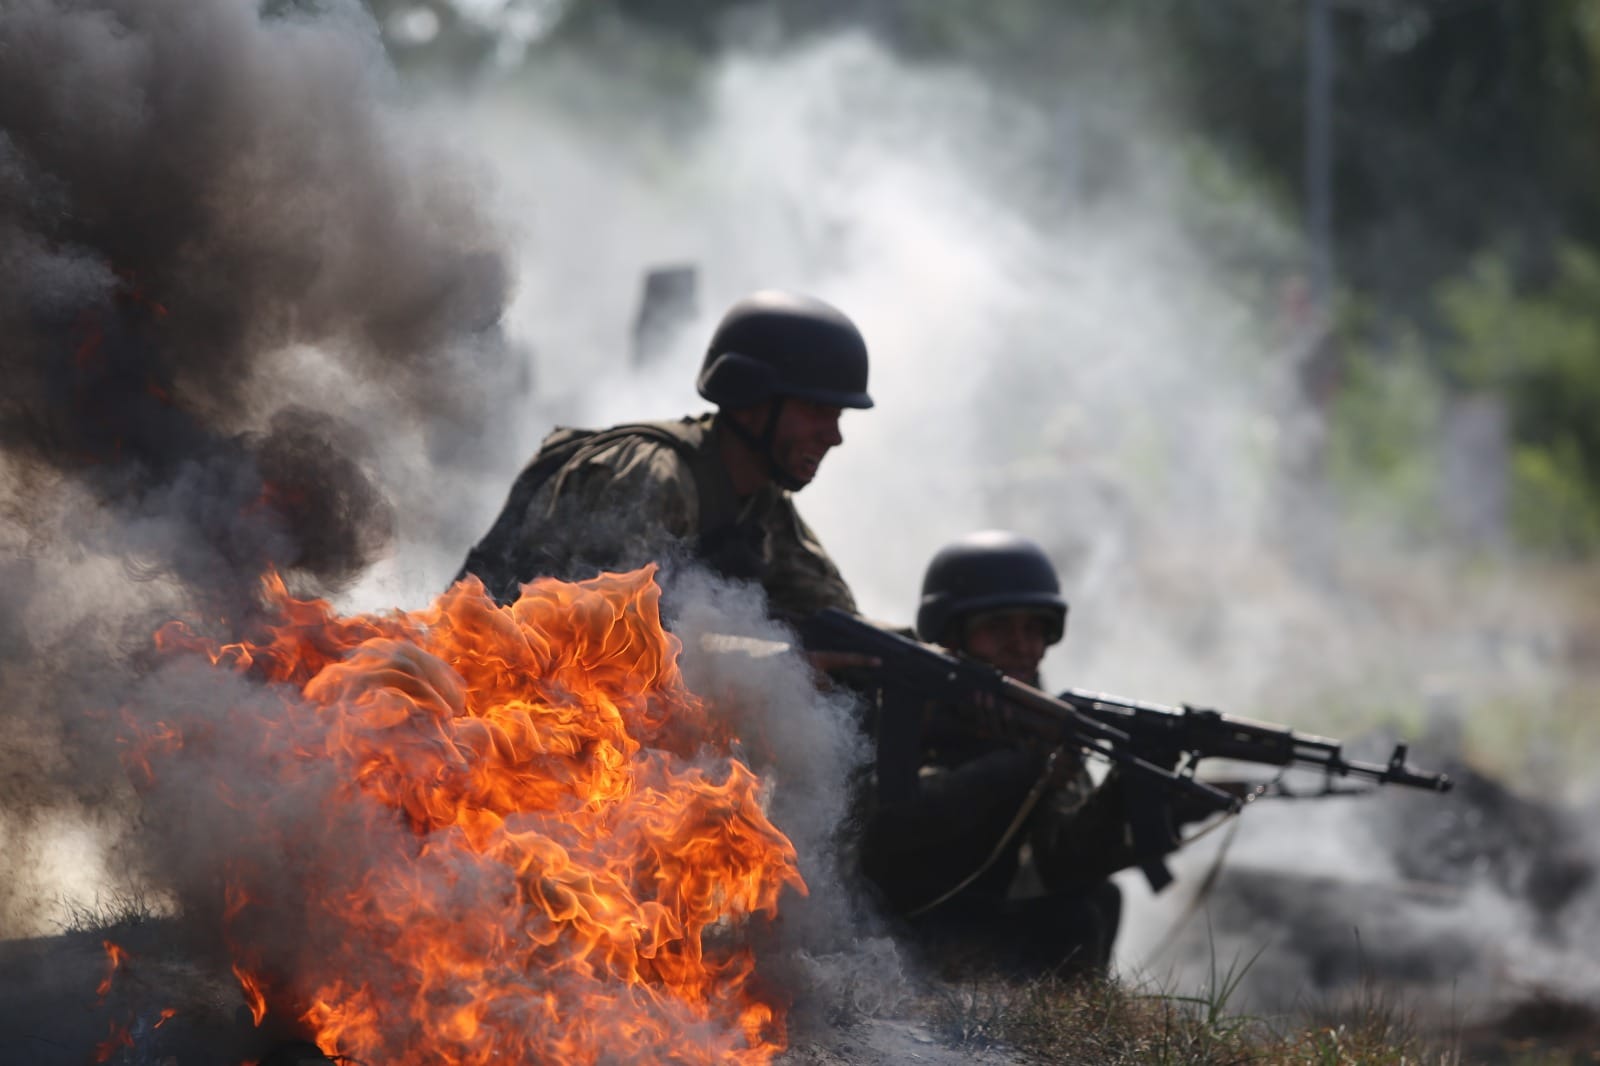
x=1464 y=173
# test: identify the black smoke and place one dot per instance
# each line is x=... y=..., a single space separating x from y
x=188 y=189
x=234 y=274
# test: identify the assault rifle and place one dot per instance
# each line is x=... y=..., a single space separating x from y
x=1180 y=737
x=914 y=676
x=1155 y=745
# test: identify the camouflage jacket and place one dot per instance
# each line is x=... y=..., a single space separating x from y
x=653 y=492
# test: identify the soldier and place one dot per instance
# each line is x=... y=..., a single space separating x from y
x=781 y=368
x=945 y=856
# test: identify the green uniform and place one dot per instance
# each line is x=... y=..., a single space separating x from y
x=653 y=492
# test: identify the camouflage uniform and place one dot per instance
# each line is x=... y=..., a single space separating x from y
x=653 y=491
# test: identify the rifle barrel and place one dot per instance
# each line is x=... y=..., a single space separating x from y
x=1203 y=733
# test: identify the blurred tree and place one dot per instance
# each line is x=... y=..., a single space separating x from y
x=1458 y=125
x=1541 y=352
x=1456 y=121
x=1382 y=449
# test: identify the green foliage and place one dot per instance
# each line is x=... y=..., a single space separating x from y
x=1540 y=351
x=1382 y=438
x=1555 y=504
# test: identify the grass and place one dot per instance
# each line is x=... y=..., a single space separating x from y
x=117 y=910
x=1107 y=1023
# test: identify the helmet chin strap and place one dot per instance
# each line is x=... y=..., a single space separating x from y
x=761 y=443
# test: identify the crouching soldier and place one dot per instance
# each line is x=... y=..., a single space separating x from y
x=946 y=853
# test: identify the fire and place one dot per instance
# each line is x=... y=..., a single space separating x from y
x=515 y=834
x=116 y=958
x=253 y=995
x=118 y=1038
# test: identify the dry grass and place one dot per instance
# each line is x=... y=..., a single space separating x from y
x=116 y=910
x=1104 y=1023
x=1109 y=1023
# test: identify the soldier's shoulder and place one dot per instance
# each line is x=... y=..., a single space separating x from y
x=664 y=445
x=626 y=438
x=689 y=433
x=665 y=453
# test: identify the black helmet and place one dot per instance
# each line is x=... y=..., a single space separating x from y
x=987 y=571
x=774 y=343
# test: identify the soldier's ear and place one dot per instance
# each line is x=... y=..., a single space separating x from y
x=752 y=417
x=955 y=637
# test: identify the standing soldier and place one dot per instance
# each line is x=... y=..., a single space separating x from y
x=944 y=852
x=781 y=368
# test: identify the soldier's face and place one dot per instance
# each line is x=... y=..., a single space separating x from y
x=1012 y=641
x=806 y=432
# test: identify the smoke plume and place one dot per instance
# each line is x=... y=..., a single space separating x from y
x=240 y=289
x=1087 y=326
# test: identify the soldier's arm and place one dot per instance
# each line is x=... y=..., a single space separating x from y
x=1089 y=843
x=802 y=579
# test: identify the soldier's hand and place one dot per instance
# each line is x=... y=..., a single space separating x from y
x=1185 y=809
x=1063 y=765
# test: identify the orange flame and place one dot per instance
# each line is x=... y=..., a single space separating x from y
x=532 y=844
x=120 y=1037
x=116 y=958
x=252 y=994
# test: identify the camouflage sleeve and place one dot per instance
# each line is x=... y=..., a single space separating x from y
x=616 y=509
x=801 y=579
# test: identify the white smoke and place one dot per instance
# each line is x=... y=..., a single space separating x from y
x=1082 y=328
x=808 y=749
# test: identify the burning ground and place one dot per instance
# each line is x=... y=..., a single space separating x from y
x=469 y=834
x=491 y=835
